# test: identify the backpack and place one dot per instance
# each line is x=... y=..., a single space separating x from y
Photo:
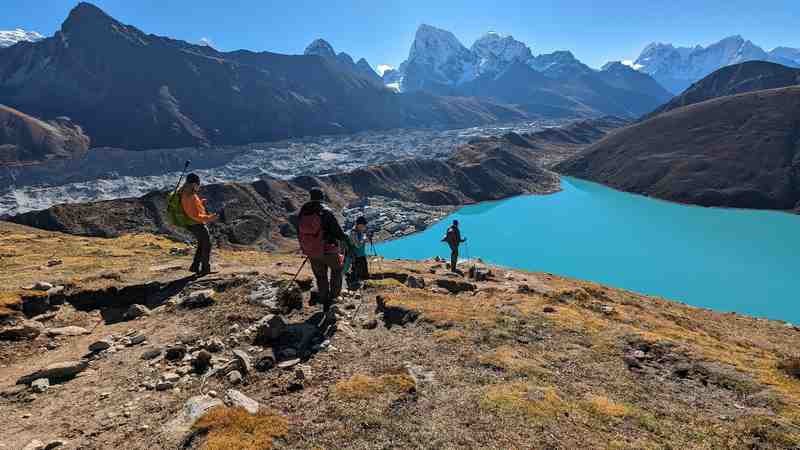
x=450 y=236
x=310 y=235
x=175 y=213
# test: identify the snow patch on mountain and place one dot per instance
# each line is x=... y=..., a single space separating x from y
x=495 y=52
x=11 y=37
x=678 y=67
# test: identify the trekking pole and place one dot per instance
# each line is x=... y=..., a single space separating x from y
x=300 y=269
x=375 y=254
x=185 y=168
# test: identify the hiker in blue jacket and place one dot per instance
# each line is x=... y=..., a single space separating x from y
x=359 y=239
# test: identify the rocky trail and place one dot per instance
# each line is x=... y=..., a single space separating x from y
x=137 y=355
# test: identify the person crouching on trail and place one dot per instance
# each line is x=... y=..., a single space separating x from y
x=195 y=209
x=319 y=234
x=359 y=240
x=453 y=239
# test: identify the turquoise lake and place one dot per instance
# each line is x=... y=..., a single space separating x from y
x=724 y=259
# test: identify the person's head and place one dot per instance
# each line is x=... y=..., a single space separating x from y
x=455 y=223
x=316 y=194
x=192 y=182
x=361 y=224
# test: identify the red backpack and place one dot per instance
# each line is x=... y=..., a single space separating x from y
x=311 y=239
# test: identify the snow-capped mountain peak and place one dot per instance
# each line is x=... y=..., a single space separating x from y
x=437 y=57
x=496 y=51
x=11 y=37
x=320 y=47
x=678 y=67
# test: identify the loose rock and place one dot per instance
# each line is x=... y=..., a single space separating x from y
x=243 y=361
x=199 y=299
x=151 y=354
x=265 y=360
x=136 y=340
x=415 y=282
x=56 y=443
x=42 y=286
x=455 y=286
x=136 y=311
x=101 y=345
x=67 y=331
x=164 y=385
x=56 y=372
x=202 y=361
x=175 y=353
x=27 y=329
x=236 y=399
x=41 y=385
x=235 y=377
x=34 y=445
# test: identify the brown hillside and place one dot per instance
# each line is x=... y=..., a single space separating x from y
x=736 y=151
x=519 y=360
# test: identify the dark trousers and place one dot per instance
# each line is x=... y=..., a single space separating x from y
x=360 y=268
x=202 y=257
x=329 y=288
x=453 y=257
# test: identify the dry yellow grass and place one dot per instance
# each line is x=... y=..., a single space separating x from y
x=536 y=403
x=362 y=387
x=513 y=359
x=604 y=406
x=235 y=428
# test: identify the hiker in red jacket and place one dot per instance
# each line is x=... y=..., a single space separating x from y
x=320 y=237
x=194 y=208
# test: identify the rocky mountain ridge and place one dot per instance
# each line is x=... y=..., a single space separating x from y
x=502 y=68
x=157 y=92
x=676 y=68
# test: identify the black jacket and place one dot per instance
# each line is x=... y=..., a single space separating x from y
x=331 y=231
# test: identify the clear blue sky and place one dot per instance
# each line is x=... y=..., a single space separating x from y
x=382 y=31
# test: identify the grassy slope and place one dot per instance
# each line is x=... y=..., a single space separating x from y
x=495 y=370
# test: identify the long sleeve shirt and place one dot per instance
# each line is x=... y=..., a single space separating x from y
x=194 y=208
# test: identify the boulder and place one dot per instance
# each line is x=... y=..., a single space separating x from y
x=151 y=354
x=415 y=282
x=201 y=361
x=193 y=409
x=136 y=339
x=27 y=329
x=265 y=360
x=56 y=372
x=40 y=386
x=199 y=299
x=214 y=345
x=235 y=377
x=101 y=345
x=67 y=331
x=165 y=385
x=236 y=399
x=455 y=286
x=243 y=361
x=42 y=286
x=135 y=311
x=175 y=352
x=34 y=445
x=55 y=443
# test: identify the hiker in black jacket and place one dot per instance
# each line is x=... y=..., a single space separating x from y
x=320 y=238
x=453 y=239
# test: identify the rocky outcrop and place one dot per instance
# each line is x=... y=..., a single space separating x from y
x=736 y=151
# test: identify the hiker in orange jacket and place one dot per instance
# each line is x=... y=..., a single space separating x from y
x=195 y=209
